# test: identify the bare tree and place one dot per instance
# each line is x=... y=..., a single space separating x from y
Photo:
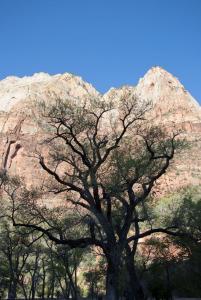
x=105 y=158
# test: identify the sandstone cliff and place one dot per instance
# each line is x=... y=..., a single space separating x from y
x=172 y=104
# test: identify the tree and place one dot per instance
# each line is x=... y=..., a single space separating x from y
x=63 y=269
x=15 y=256
x=105 y=158
x=169 y=263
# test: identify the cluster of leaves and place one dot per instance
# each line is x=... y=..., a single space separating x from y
x=171 y=265
x=38 y=268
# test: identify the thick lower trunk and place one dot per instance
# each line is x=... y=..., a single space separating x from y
x=12 y=290
x=112 y=282
x=134 y=290
x=168 y=288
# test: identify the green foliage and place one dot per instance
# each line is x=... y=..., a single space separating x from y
x=172 y=265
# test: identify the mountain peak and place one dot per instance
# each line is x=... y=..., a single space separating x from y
x=159 y=76
x=171 y=100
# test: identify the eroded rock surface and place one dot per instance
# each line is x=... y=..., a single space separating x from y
x=172 y=105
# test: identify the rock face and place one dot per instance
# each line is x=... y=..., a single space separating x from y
x=172 y=104
x=41 y=86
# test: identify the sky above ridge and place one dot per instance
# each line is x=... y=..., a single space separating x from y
x=106 y=42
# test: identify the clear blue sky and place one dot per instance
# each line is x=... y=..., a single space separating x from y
x=107 y=42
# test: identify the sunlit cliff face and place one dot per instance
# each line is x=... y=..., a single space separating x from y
x=171 y=105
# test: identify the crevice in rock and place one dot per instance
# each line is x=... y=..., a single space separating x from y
x=12 y=138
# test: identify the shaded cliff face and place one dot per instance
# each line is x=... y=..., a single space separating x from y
x=172 y=105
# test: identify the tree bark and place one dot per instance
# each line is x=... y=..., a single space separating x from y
x=112 y=281
x=43 y=280
x=134 y=290
x=34 y=277
x=12 y=289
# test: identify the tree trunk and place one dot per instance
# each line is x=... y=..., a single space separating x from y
x=23 y=287
x=34 y=277
x=53 y=284
x=12 y=289
x=112 y=282
x=134 y=290
x=43 y=285
x=71 y=284
x=168 y=285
